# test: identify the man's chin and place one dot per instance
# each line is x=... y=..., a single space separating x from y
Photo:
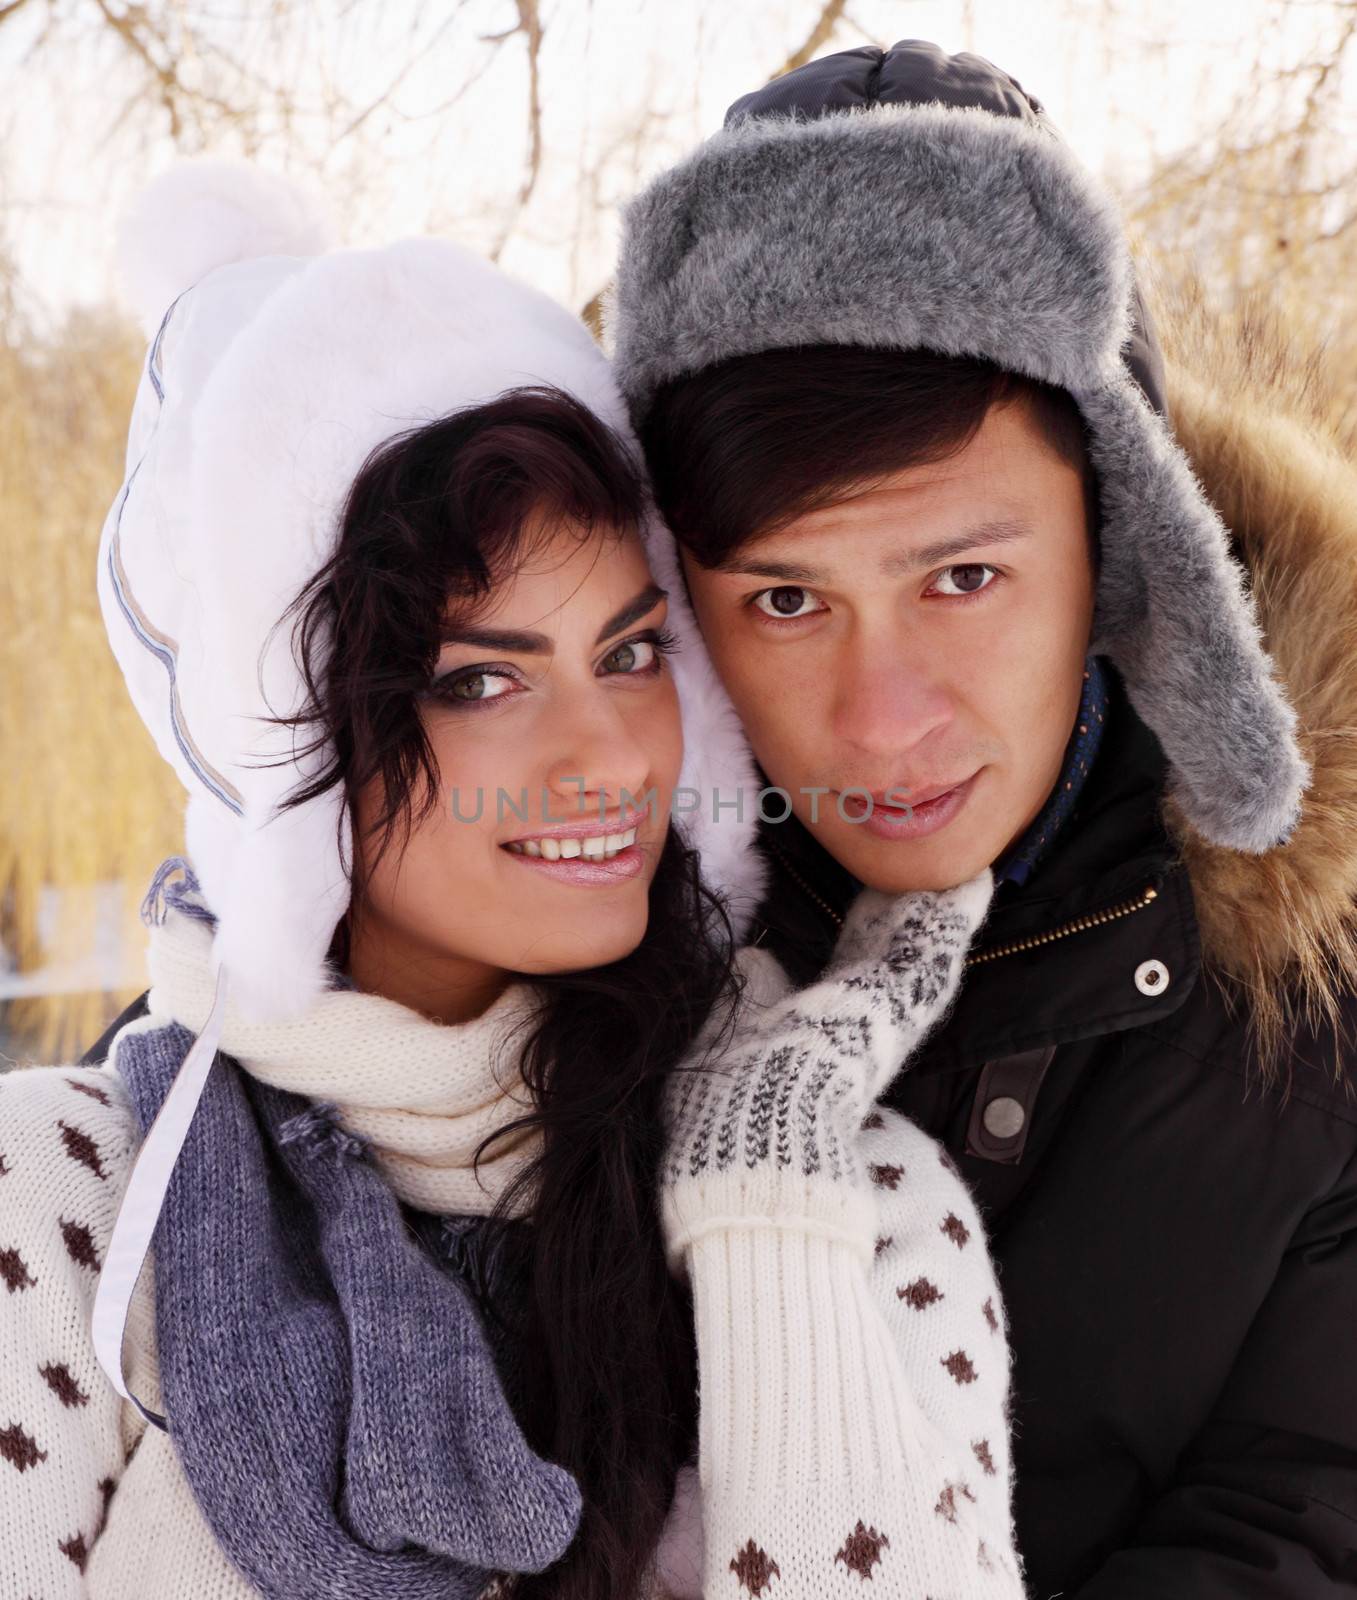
x=911 y=883
x=891 y=869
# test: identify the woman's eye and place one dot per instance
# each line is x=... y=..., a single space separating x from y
x=475 y=686
x=634 y=656
x=642 y=656
x=786 y=602
x=970 y=572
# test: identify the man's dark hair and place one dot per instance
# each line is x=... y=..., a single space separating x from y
x=741 y=448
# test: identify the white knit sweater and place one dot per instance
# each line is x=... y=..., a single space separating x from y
x=93 y=1502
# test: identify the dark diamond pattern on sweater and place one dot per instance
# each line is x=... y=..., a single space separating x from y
x=61 y=1381
x=872 y=1121
x=956 y=1230
x=20 y=1449
x=106 y=1488
x=80 y=1147
x=960 y=1366
x=14 y=1270
x=75 y=1550
x=984 y=1456
x=988 y=1309
x=861 y=1550
x=920 y=1294
x=884 y=1243
x=79 y=1242
x=886 y=1176
x=753 y=1567
x=947 y=1506
x=91 y=1089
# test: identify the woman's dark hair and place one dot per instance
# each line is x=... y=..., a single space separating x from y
x=743 y=447
x=435 y=518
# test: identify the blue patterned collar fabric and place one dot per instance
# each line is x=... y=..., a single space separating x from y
x=1016 y=865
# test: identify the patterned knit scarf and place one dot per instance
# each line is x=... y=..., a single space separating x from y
x=330 y=1392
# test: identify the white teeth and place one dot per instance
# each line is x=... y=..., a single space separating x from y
x=599 y=848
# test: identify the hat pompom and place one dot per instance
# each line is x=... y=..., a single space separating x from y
x=203 y=214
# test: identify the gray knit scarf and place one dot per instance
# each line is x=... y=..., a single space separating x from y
x=328 y=1385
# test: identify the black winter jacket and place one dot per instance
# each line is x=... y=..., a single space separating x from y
x=1176 y=1249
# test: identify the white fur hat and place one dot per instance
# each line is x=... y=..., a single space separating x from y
x=274 y=369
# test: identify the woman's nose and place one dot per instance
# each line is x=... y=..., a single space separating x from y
x=600 y=765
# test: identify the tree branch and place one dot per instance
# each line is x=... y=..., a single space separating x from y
x=831 y=14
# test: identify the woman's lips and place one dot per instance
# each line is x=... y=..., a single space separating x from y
x=589 y=854
x=616 y=869
x=891 y=822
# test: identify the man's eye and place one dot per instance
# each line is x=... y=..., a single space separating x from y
x=968 y=584
x=786 y=602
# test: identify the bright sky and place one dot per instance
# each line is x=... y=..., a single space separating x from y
x=644 y=79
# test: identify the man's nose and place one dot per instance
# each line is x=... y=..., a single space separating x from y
x=885 y=702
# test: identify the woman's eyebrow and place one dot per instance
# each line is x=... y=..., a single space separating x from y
x=518 y=642
x=498 y=639
x=647 y=600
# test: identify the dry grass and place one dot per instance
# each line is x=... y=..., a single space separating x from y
x=85 y=796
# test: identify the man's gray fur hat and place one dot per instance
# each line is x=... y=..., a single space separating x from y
x=904 y=199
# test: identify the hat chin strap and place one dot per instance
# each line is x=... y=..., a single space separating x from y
x=144 y=1199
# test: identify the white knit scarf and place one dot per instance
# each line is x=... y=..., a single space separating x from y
x=423 y=1094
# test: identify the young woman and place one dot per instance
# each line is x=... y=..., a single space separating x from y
x=377 y=584
x=394 y=1105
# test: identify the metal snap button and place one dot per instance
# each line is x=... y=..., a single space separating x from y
x=1152 y=977
x=1004 y=1117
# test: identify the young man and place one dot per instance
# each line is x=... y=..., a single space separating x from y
x=906 y=415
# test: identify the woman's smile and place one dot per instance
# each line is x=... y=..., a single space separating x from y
x=585 y=853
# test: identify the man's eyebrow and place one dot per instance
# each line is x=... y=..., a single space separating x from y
x=1002 y=530
x=517 y=642
x=999 y=531
x=788 y=571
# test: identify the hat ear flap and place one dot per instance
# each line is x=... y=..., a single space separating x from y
x=1175 y=616
x=204 y=214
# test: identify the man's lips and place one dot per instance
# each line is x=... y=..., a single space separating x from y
x=911 y=798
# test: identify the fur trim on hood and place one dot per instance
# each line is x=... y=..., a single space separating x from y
x=1258 y=420
x=270 y=378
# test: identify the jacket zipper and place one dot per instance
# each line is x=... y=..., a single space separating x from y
x=1090 y=919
